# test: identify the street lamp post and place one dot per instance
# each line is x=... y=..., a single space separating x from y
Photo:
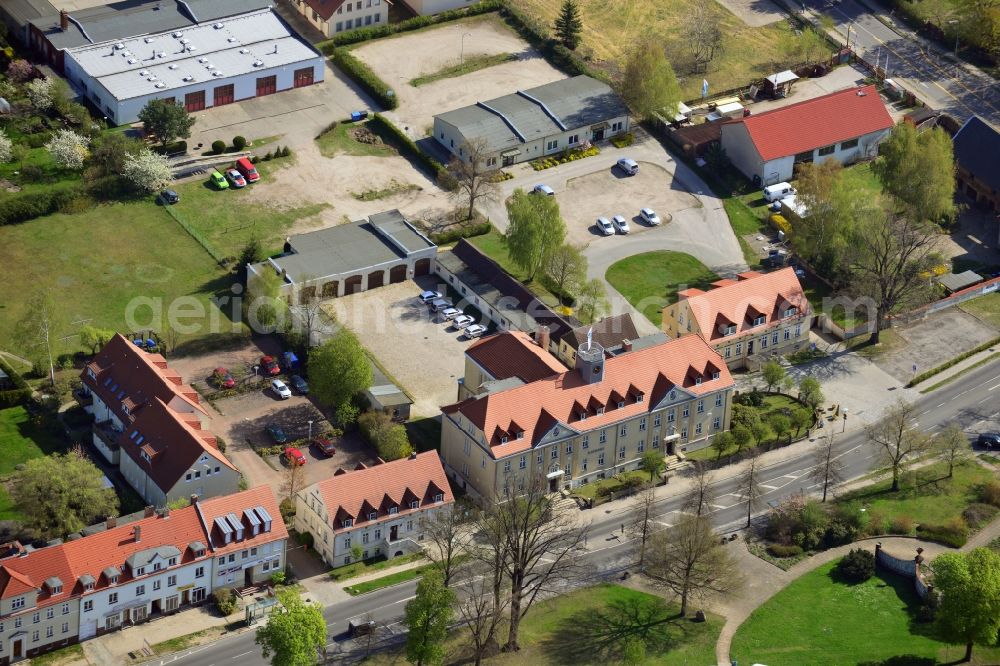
x=310 y=431
x=461 y=57
x=845 y=420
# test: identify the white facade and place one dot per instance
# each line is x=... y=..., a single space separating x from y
x=742 y=152
x=248 y=565
x=208 y=477
x=348 y=16
x=422 y=7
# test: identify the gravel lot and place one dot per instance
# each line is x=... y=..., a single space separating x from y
x=424 y=355
x=430 y=51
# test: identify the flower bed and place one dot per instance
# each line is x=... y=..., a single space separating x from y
x=565 y=156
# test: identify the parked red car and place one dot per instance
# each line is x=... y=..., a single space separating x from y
x=269 y=366
x=324 y=445
x=223 y=378
x=294 y=456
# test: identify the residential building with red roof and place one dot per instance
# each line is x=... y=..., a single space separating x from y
x=128 y=572
x=746 y=320
x=331 y=17
x=378 y=508
x=846 y=125
x=143 y=408
x=591 y=422
x=509 y=356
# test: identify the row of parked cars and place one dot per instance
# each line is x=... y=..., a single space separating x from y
x=459 y=320
x=237 y=176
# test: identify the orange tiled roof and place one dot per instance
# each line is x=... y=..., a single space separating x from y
x=639 y=378
x=356 y=493
x=739 y=302
x=93 y=554
x=217 y=507
x=514 y=354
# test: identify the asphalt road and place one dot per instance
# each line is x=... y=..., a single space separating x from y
x=973 y=402
x=914 y=62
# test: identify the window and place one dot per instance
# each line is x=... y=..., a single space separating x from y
x=199 y=572
x=574 y=138
x=804 y=156
x=697 y=381
x=641 y=447
x=701 y=407
x=624 y=430
x=584 y=465
x=65 y=627
x=156 y=585
x=340 y=24
x=50 y=613
x=467 y=447
x=569 y=448
x=113 y=598
x=774 y=338
x=853 y=143
x=739 y=348
x=686 y=411
x=187 y=477
x=555 y=452
x=586 y=442
x=506 y=466
x=348 y=522
x=600 y=459
x=88 y=605
x=347 y=542
x=684 y=433
x=656 y=420
x=171 y=581
x=172 y=561
x=490 y=161
x=538 y=458
x=522 y=462
x=827 y=150
x=716 y=423
x=393 y=510
x=716 y=375
x=364 y=538
x=763 y=342
x=697 y=429
x=621 y=453
x=552 y=145
x=604 y=436
x=368 y=20
x=34 y=637
x=730 y=329
x=140 y=590
x=222 y=560
x=17 y=603
x=791 y=312
x=642 y=424
x=759 y=321
x=788 y=333
x=35 y=618
x=798 y=330
x=48 y=632
x=718 y=400
x=670 y=416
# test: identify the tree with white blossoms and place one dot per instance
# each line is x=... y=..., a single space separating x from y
x=6 y=147
x=68 y=149
x=39 y=94
x=147 y=171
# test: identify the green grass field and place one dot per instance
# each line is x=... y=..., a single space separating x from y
x=985 y=307
x=650 y=281
x=821 y=622
x=20 y=441
x=339 y=141
x=493 y=246
x=469 y=65
x=588 y=626
x=772 y=404
x=388 y=580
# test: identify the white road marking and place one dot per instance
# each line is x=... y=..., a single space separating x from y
x=993 y=387
x=241 y=655
x=770 y=488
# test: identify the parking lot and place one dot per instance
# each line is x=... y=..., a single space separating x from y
x=423 y=354
x=429 y=51
x=608 y=192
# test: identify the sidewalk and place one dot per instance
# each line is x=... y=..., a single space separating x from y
x=956 y=369
x=328 y=592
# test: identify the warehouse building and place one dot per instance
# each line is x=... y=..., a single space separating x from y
x=121 y=66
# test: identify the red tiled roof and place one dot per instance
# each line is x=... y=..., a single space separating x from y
x=173 y=442
x=767 y=294
x=110 y=548
x=137 y=376
x=514 y=354
x=393 y=484
x=609 y=332
x=536 y=407
x=818 y=122
x=325 y=8
x=218 y=507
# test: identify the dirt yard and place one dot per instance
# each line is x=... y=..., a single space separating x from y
x=430 y=51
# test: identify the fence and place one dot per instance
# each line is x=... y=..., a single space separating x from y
x=222 y=261
x=967 y=294
x=905 y=568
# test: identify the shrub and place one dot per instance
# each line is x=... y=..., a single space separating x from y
x=928 y=606
x=38 y=140
x=363 y=75
x=466 y=231
x=839 y=533
x=225 y=600
x=751 y=399
x=305 y=538
x=780 y=550
x=876 y=523
x=287 y=508
x=239 y=142
x=953 y=533
x=901 y=525
x=989 y=493
x=268 y=156
x=781 y=224
x=171 y=148
x=218 y=146
x=386 y=29
x=977 y=515
x=220 y=443
x=623 y=140
x=23 y=207
x=857 y=566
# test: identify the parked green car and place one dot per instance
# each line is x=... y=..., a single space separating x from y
x=219 y=181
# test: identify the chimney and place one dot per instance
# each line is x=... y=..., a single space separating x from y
x=413 y=455
x=137 y=531
x=149 y=511
x=194 y=499
x=542 y=337
x=627 y=345
x=111 y=523
x=64 y=20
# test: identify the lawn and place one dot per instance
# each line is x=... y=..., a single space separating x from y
x=340 y=141
x=492 y=244
x=21 y=440
x=591 y=490
x=228 y=219
x=469 y=65
x=773 y=404
x=744 y=222
x=650 y=281
x=95 y=262
x=356 y=569
x=925 y=495
x=387 y=581
x=588 y=626
x=821 y=622
x=610 y=29
x=986 y=308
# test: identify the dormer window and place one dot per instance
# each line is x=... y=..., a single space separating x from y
x=57 y=589
x=600 y=410
x=139 y=571
x=157 y=566
x=791 y=312
x=520 y=434
x=114 y=387
x=621 y=404
x=113 y=579
x=91 y=373
x=414 y=504
x=172 y=561
x=715 y=375
x=107 y=382
x=348 y=522
x=729 y=330
x=372 y=515
x=583 y=416
x=439 y=497
x=759 y=321
x=697 y=381
x=126 y=410
x=503 y=440
x=139 y=440
x=640 y=397
x=145 y=456
x=88 y=587
x=135 y=433
x=393 y=510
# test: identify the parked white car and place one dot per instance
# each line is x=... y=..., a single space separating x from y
x=628 y=165
x=604 y=226
x=450 y=313
x=429 y=296
x=620 y=223
x=462 y=321
x=650 y=216
x=475 y=331
x=544 y=189
x=281 y=389
x=441 y=304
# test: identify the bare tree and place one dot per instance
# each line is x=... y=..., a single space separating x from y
x=829 y=470
x=750 y=490
x=482 y=609
x=475 y=181
x=703 y=35
x=702 y=494
x=307 y=311
x=689 y=560
x=896 y=438
x=448 y=536
x=292 y=479
x=952 y=446
x=539 y=547
x=641 y=521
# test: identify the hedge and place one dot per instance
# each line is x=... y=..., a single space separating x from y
x=415 y=23
x=944 y=366
x=954 y=533
x=468 y=231
x=15 y=396
x=406 y=146
x=27 y=206
x=536 y=34
x=361 y=74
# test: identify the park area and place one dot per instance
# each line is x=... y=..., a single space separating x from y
x=650 y=281
x=22 y=438
x=820 y=621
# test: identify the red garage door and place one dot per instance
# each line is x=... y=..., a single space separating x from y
x=194 y=101
x=303 y=77
x=224 y=95
x=267 y=85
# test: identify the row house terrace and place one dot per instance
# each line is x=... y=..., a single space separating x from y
x=378 y=508
x=124 y=574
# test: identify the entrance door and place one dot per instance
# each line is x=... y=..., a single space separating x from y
x=554 y=485
x=267 y=85
x=18 y=649
x=303 y=77
x=393 y=533
x=508 y=160
x=248 y=576
x=599 y=135
x=750 y=348
x=224 y=95
x=185 y=597
x=194 y=101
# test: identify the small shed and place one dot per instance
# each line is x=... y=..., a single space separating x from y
x=695 y=140
x=957 y=281
x=780 y=84
x=923 y=118
x=390 y=400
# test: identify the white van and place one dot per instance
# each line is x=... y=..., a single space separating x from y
x=629 y=166
x=778 y=191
